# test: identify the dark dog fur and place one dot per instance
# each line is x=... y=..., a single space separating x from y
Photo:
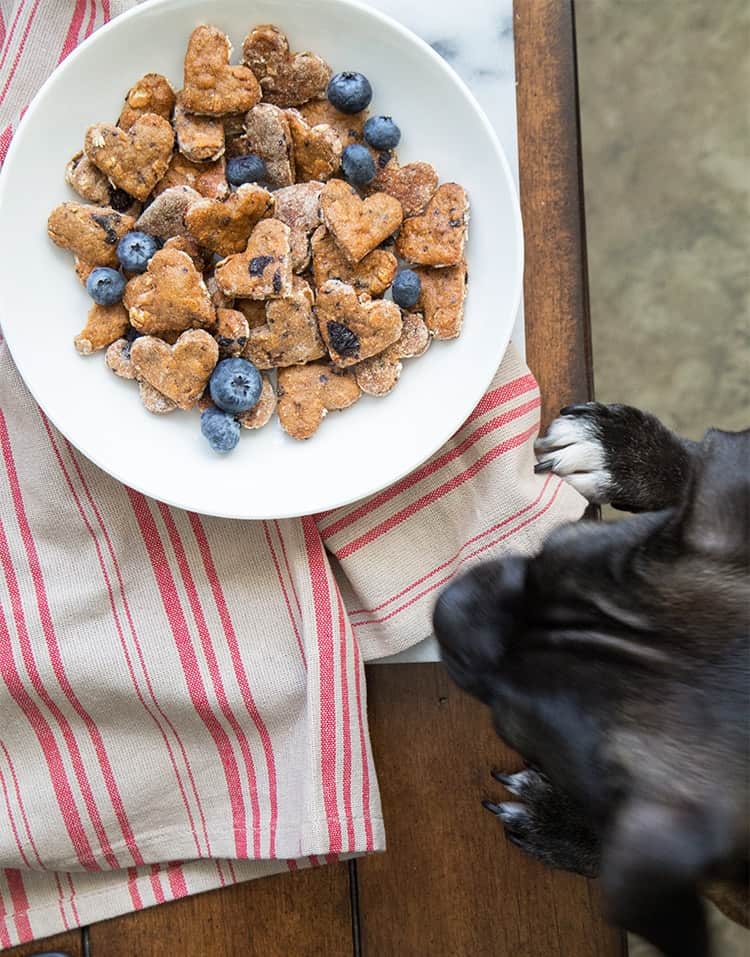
x=617 y=663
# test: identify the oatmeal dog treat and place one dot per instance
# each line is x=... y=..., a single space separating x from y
x=103 y=326
x=186 y=244
x=358 y=226
x=82 y=270
x=208 y=179
x=442 y=299
x=267 y=134
x=87 y=180
x=225 y=228
x=317 y=149
x=307 y=393
x=180 y=372
x=165 y=217
x=412 y=185
x=218 y=298
x=211 y=85
x=254 y=310
x=153 y=93
x=153 y=400
x=379 y=374
x=348 y=125
x=260 y=413
x=299 y=207
x=264 y=270
x=117 y=358
x=438 y=236
x=200 y=138
x=90 y=232
x=231 y=332
x=371 y=275
x=286 y=79
x=134 y=161
x=290 y=335
x=169 y=297
x=354 y=329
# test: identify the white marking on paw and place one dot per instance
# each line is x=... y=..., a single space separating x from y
x=517 y=782
x=572 y=449
x=512 y=813
x=564 y=431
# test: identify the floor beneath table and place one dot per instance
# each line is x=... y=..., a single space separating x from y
x=665 y=140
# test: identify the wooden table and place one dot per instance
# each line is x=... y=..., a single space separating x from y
x=449 y=885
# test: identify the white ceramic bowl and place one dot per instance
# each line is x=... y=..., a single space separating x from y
x=356 y=452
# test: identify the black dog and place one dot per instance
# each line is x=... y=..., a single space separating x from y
x=617 y=663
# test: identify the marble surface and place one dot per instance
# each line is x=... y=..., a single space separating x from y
x=476 y=38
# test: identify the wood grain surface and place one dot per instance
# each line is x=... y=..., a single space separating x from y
x=449 y=885
x=305 y=914
x=70 y=944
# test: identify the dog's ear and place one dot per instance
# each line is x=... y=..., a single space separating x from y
x=652 y=860
x=715 y=518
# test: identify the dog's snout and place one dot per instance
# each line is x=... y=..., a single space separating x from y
x=478 y=599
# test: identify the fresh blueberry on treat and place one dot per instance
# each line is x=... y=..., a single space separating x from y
x=235 y=385
x=358 y=165
x=349 y=92
x=382 y=133
x=135 y=249
x=220 y=428
x=245 y=169
x=105 y=285
x=406 y=288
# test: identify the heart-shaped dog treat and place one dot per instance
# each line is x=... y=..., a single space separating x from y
x=438 y=236
x=286 y=79
x=225 y=228
x=104 y=325
x=306 y=393
x=135 y=160
x=290 y=336
x=200 y=138
x=372 y=275
x=208 y=179
x=317 y=149
x=379 y=374
x=153 y=93
x=169 y=297
x=211 y=85
x=165 y=216
x=349 y=126
x=91 y=233
x=87 y=180
x=264 y=270
x=355 y=329
x=263 y=409
x=357 y=226
x=412 y=185
x=180 y=372
x=442 y=299
x=299 y=207
x=267 y=134
x=231 y=332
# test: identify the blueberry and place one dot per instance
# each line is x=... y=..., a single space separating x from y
x=105 y=285
x=235 y=385
x=382 y=133
x=342 y=339
x=245 y=169
x=406 y=288
x=358 y=165
x=135 y=250
x=220 y=428
x=349 y=92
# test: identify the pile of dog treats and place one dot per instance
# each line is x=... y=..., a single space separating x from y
x=256 y=224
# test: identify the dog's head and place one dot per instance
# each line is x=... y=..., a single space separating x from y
x=617 y=661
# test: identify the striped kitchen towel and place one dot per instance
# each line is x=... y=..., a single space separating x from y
x=182 y=699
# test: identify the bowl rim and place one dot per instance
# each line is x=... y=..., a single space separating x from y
x=466 y=408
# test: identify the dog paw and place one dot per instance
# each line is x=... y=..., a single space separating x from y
x=574 y=449
x=545 y=823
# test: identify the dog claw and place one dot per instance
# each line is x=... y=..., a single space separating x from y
x=492 y=807
x=502 y=777
x=545 y=466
